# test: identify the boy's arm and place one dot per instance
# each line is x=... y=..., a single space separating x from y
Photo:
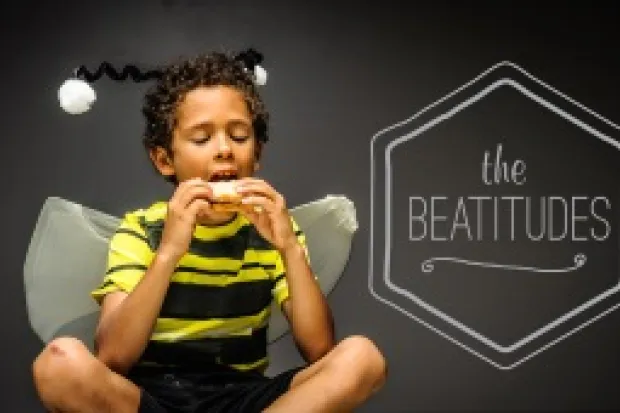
x=134 y=291
x=299 y=293
x=306 y=307
x=127 y=319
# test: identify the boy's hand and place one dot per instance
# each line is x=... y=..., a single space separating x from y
x=186 y=204
x=272 y=220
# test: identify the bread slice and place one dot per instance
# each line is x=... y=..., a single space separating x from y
x=225 y=197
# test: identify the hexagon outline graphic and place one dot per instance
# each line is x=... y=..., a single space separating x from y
x=504 y=81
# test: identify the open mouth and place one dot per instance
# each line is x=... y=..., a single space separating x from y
x=223 y=176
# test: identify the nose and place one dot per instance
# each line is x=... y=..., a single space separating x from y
x=223 y=149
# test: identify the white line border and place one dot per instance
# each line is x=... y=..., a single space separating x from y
x=423 y=128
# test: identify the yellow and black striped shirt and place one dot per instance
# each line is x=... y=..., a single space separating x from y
x=219 y=300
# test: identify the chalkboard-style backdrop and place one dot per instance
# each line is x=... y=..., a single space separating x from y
x=479 y=144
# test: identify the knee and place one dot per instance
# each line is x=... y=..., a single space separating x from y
x=362 y=358
x=63 y=360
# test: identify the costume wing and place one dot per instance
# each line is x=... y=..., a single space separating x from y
x=66 y=260
x=67 y=257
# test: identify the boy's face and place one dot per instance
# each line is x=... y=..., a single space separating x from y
x=213 y=138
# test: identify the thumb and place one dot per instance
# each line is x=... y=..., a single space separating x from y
x=199 y=207
x=250 y=214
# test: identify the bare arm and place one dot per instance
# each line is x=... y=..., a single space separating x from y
x=306 y=308
x=127 y=320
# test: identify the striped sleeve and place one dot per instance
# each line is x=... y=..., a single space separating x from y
x=280 y=289
x=129 y=255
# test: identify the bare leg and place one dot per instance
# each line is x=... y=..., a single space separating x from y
x=342 y=380
x=68 y=378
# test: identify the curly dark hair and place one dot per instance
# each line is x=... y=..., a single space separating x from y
x=183 y=75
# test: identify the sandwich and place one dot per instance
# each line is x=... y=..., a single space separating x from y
x=225 y=197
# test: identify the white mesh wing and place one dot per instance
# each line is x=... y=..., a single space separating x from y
x=66 y=259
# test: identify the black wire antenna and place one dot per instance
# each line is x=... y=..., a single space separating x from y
x=106 y=68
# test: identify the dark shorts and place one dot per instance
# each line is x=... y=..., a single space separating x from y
x=218 y=390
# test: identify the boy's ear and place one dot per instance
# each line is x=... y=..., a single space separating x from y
x=257 y=154
x=161 y=160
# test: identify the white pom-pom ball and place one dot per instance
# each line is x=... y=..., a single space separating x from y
x=76 y=96
x=260 y=75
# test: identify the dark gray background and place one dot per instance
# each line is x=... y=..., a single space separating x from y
x=339 y=72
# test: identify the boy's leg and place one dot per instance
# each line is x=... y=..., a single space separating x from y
x=340 y=381
x=68 y=378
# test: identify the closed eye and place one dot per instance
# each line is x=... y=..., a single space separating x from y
x=238 y=139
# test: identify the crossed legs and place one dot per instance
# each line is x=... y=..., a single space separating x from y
x=340 y=381
x=69 y=379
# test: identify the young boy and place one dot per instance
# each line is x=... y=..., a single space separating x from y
x=186 y=298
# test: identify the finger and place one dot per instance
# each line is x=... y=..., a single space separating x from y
x=255 y=209
x=259 y=203
x=199 y=207
x=180 y=193
x=257 y=188
x=184 y=186
x=255 y=214
x=250 y=214
x=252 y=181
x=197 y=190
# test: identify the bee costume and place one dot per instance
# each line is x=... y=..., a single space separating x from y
x=71 y=250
